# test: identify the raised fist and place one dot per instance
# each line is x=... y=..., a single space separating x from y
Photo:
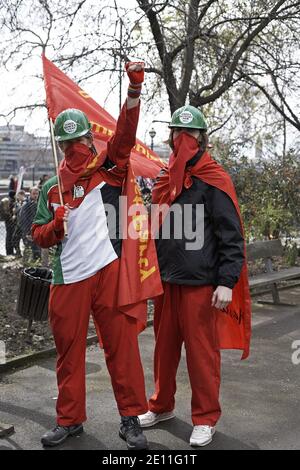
x=135 y=72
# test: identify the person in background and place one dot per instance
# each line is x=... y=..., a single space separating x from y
x=17 y=235
x=6 y=210
x=145 y=185
x=42 y=181
x=26 y=217
x=12 y=185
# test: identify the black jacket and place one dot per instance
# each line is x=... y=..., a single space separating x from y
x=26 y=216
x=221 y=257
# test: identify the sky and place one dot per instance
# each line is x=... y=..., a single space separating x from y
x=21 y=87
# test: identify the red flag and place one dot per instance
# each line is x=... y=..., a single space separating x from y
x=140 y=252
x=139 y=277
x=63 y=93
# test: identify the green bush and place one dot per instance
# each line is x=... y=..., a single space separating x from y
x=268 y=192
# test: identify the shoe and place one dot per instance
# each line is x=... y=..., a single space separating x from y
x=150 y=418
x=59 y=434
x=202 y=435
x=131 y=432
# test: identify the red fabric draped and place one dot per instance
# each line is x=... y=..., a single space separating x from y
x=139 y=277
x=233 y=324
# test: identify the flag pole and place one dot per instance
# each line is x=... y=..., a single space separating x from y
x=53 y=143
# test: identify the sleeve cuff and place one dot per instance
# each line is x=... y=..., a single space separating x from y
x=59 y=234
x=230 y=283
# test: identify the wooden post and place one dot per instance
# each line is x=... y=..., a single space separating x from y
x=56 y=168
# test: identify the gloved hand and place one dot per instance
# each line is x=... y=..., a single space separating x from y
x=60 y=216
x=135 y=72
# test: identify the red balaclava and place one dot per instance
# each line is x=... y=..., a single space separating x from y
x=185 y=147
x=80 y=161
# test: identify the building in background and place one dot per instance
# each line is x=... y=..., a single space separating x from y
x=163 y=151
x=18 y=148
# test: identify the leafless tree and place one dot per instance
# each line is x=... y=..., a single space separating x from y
x=203 y=49
x=200 y=51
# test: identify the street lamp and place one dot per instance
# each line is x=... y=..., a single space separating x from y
x=152 y=134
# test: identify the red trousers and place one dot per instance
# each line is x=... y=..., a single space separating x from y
x=183 y=314
x=70 y=306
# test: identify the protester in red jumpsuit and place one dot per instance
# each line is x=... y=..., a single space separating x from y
x=206 y=303
x=86 y=268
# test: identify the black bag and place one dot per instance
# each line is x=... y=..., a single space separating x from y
x=34 y=293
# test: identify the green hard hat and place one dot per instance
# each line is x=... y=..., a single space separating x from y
x=189 y=117
x=71 y=124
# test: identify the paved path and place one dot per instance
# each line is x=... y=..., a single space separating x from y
x=260 y=397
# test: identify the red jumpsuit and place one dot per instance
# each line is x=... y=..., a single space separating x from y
x=183 y=314
x=71 y=304
x=69 y=310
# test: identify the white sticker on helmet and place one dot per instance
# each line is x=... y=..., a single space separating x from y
x=186 y=117
x=70 y=126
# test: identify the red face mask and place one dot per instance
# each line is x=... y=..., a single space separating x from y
x=79 y=159
x=185 y=147
x=77 y=152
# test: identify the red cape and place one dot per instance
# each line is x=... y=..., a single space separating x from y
x=233 y=324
